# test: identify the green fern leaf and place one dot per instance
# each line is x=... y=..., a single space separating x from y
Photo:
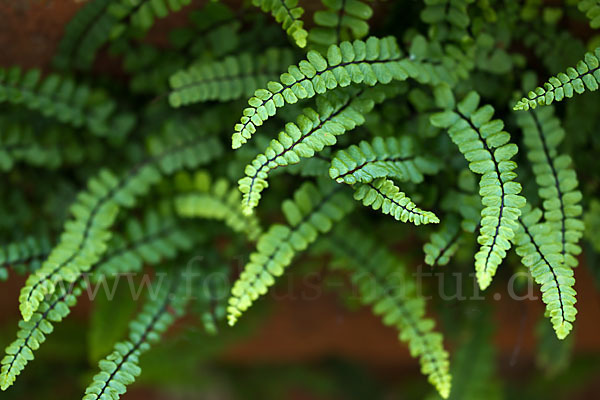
x=486 y=146
x=390 y=157
x=385 y=283
x=591 y=8
x=383 y=194
x=536 y=244
x=585 y=75
x=342 y=20
x=313 y=211
x=443 y=243
x=288 y=14
x=337 y=112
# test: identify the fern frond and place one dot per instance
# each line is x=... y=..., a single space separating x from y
x=586 y=75
x=288 y=14
x=591 y=9
x=85 y=33
x=311 y=212
x=453 y=12
x=371 y=62
x=444 y=243
x=556 y=178
x=385 y=283
x=23 y=256
x=384 y=157
x=120 y=368
x=229 y=79
x=157 y=238
x=342 y=20
x=85 y=235
x=218 y=200
x=335 y=114
x=486 y=146
x=536 y=244
x=383 y=194
x=65 y=100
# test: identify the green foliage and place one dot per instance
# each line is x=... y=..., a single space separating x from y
x=65 y=100
x=384 y=283
x=138 y=16
x=288 y=14
x=23 y=256
x=120 y=368
x=383 y=194
x=486 y=146
x=443 y=243
x=342 y=20
x=585 y=75
x=311 y=212
x=591 y=8
x=232 y=78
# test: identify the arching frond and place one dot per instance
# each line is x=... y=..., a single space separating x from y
x=312 y=211
x=385 y=283
x=383 y=194
x=337 y=113
x=487 y=147
x=341 y=20
x=585 y=75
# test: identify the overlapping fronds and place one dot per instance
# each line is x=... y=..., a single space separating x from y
x=232 y=78
x=64 y=99
x=203 y=198
x=369 y=62
x=536 y=243
x=383 y=194
x=585 y=76
x=341 y=20
x=385 y=283
x=87 y=232
x=289 y=15
x=487 y=147
x=311 y=212
x=383 y=157
x=336 y=113
x=158 y=237
x=120 y=368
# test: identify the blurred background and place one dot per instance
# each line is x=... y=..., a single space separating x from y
x=303 y=341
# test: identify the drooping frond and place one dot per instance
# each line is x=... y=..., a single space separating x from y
x=591 y=9
x=157 y=238
x=384 y=157
x=23 y=256
x=371 y=62
x=385 y=283
x=312 y=211
x=556 y=179
x=341 y=20
x=336 y=113
x=289 y=15
x=487 y=147
x=383 y=194
x=120 y=368
x=65 y=100
x=215 y=200
x=536 y=243
x=232 y=78
x=86 y=234
x=85 y=33
x=443 y=243
x=585 y=75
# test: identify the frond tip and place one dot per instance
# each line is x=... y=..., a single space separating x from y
x=383 y=194
x=586 y=75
